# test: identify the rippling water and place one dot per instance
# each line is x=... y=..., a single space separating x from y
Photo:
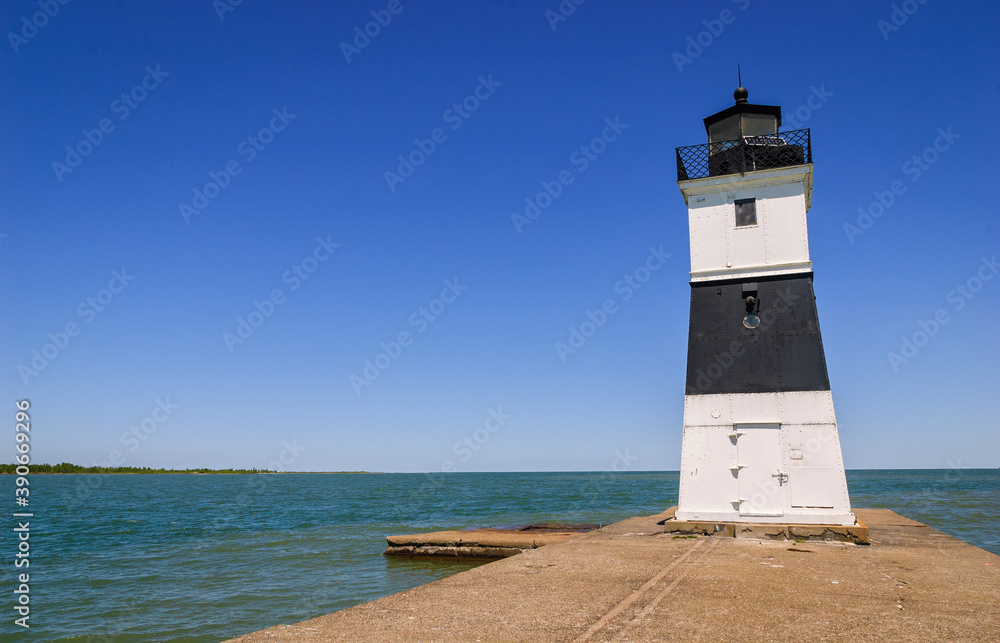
x=204 y=558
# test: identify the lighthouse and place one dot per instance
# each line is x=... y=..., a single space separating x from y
x=760 y=440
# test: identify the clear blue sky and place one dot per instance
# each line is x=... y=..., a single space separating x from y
x=879 y=97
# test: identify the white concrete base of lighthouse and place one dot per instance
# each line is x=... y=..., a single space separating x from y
x=763 y=458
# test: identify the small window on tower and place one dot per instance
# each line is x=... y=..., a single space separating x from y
x=746 y=212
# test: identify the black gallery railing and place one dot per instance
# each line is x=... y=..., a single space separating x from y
x=744 y=155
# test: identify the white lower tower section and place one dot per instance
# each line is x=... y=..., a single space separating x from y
x=763 y=457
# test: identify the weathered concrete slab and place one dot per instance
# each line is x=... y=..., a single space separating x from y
x=697 y=528
x=482 y=543
x=857 y=534
x=632 y=582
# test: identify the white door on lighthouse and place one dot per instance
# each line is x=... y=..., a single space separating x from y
x=761 y=481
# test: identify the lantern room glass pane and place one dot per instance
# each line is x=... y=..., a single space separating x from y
x=759 y=125
x=728 y=129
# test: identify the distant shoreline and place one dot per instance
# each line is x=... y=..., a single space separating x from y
x=178 y=473
x=73 y=469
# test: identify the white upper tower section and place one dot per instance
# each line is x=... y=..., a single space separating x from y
x=770 y=235
x=747 y=192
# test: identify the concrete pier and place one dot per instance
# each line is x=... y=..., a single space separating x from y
x=632 y=581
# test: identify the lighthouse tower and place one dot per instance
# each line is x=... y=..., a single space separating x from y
x=760 y=436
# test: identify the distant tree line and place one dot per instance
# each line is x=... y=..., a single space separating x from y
x=66 y=467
